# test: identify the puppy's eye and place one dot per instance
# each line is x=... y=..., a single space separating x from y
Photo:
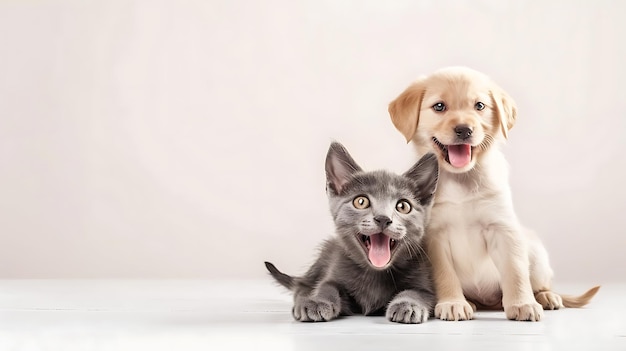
x=439 y=107
x=361 y=202
x=403 y=207
x=479 y=106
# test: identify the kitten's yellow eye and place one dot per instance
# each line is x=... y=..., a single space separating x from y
x=361 y=202
x=403 y=207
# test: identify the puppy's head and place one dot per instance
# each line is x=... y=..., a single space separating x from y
x=457 y=113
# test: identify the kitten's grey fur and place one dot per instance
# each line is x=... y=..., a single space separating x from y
x=350 y=276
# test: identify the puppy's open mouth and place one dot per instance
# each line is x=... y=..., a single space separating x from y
x=378 y=248
x=459 y=155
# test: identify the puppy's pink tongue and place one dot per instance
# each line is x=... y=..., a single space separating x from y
x=460 y=155
x=380 y=252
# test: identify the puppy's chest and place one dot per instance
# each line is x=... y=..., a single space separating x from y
x=456 y=193
x=468 y=205
x=462 y=217
x=455 y=205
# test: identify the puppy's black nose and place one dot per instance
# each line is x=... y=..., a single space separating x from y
x=382 y=221
x=463 y=131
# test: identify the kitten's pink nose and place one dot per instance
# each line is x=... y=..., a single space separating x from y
x=382 y=221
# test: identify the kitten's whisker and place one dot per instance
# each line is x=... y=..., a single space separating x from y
x=409 y=248
x=416 y=250
x=423 y=251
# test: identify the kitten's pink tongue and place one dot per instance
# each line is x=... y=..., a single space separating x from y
x=460 y=155
x=379 y=253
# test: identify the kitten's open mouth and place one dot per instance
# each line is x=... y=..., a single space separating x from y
x=378 y=248
x=458 y=156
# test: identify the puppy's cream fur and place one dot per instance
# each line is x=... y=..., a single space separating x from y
x=482 y=256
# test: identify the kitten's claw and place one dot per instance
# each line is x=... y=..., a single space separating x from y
x=454 y=311
x=407 y=311
x=315 y=311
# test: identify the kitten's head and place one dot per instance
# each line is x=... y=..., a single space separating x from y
x=379 y=216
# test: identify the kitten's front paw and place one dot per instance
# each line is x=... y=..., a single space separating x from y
x=454 y=311
x=309 y=310
x=549 y=300
x=532 y=312
x=407 y=311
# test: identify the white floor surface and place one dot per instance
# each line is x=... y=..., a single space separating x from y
x=255 y=315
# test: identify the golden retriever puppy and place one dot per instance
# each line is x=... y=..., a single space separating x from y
x=481 y=255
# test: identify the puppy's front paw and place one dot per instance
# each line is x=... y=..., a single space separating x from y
x=454 y=311
x=549 y=300
x=532 y=312
x=407 y=311
x=310 y=310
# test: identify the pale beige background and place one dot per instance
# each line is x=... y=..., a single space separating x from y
x=186 y=139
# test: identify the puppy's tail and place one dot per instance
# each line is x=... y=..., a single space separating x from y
x=579 y=301
x=285 y=280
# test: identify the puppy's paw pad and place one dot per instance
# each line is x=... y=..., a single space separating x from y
x=454 y=311
x=315 y=311
x=532 y=312
x=549 y=300
x=409 y=312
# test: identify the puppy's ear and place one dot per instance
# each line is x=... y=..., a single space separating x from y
x=405 y=109
x=505 y=108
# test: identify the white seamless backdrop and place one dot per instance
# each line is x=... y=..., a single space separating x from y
x=186 y=139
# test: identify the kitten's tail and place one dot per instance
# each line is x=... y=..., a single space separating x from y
x=579 y=301
x=284 y=279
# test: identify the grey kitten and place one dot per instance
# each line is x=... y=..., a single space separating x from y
x=375 y=264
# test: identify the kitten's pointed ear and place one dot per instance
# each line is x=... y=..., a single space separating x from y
x=425 y=174
x=339 y=168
